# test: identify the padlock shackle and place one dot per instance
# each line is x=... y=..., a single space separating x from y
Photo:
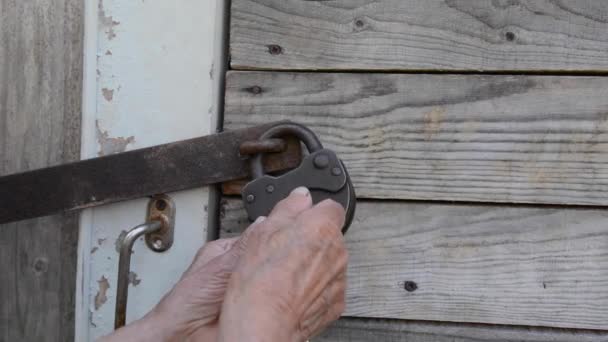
x=303 y=133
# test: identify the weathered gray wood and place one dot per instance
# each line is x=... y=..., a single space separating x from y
x=486 y=35
x=40 y=95
x=378 y=330
x=527 y=139
x=474 y=263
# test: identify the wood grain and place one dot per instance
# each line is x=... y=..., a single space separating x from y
x=511 y=265
x=372 y=330
x=40 y=103
x=481 y=35
x=516 y=139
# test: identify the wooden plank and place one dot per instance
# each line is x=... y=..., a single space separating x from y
x=512 y=265
x=368 y=330
x=519 y=139
x=40 y=104
x=484 y=35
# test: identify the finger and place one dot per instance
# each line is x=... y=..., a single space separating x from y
x=213 y=249
x=326 y=308
x=320 y=261
x=327 y=214
x=210 y=251
x=241 y=245
x=289 y=208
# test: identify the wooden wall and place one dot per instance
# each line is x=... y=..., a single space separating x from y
x=476 y=135
x=40 y=96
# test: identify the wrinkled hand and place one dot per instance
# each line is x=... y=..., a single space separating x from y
x=290 y=280
x=193 y=305
x=282 y=280
x=190 y=311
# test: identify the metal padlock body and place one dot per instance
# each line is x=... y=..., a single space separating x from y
x=322 y=172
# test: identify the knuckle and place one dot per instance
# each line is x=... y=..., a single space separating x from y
x=334 y=206
x=326 y=229
x=275 y=240
x=340 y=308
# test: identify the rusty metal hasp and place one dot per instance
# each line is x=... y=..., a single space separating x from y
x=181 y=165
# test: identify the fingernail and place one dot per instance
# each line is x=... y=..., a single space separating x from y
x=301 y=191
x=260 y=219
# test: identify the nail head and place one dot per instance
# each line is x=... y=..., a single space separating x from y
x=274 y=49
x=410 y=286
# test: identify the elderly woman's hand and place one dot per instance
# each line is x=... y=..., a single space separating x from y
x=283 y=280
x=291 y=277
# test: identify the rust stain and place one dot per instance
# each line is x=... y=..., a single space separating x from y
x=108 y=94
x=376 y=137
x=109 y=145
x=432 y=121
x=100 y=297
x=539 y=177
x=133 y=280
x=107 y=22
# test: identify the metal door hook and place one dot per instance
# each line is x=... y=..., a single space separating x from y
x=158 y=230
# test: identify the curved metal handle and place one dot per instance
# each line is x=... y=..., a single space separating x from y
x=308 y=137
x=124 y=268
x=159 y=237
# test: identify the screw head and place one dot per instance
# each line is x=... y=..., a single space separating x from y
x=336 y=171
x=158 y=243
x=250 y=198
x=321 y=161
x=269 y=188
x=161 y=205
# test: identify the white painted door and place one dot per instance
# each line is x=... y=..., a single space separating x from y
x=152 y=76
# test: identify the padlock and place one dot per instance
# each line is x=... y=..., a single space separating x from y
x=321 y=171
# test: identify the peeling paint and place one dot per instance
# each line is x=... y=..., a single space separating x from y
x=108 y=94
x=101 y=241
x=108 y=23
x=133 y=280
x=108 y=53
x=91 y=319
x=109 y=145
x=100 y=297
x=94 y=249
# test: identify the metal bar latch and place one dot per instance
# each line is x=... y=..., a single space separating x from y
x=158 y=230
